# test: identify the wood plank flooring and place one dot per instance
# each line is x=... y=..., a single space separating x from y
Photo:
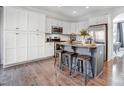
x=43 y=73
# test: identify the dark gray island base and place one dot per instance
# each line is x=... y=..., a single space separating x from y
x=96 y=52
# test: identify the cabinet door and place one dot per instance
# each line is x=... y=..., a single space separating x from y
x=41 y=43
x=81 y=25
x=64 y=28
x=21 y=46
x=11 y=15
x=16 y=19
x=10 y=48
x=46 y=50
x=32 y=21
x=40 y=39
x=32 y=53
x=41 y=23
x=33 y=39
x=10 y=56
x=36 y=22
x=41 y=52
x=69 y=28
x=22 y=20
x=10 y=40
x=48 y=25
x=32 y=46
x=51 y=48
x=60 y=23
x=21 y=54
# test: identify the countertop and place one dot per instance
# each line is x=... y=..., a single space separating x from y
x=77 y=44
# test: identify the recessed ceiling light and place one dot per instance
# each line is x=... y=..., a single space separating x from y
x=74 y=12
x=87 y=7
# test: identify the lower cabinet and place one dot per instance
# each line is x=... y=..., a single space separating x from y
x=41 y=52
x=15 y=47
x=32 y=53
x=23 y=46
x=35 y=46
x=49 y=49
x=10 y=56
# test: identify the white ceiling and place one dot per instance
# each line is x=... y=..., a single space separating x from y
x=67 y=11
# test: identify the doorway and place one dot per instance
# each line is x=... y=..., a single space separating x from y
x=118 y=36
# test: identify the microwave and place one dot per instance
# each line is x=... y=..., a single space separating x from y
x=57 y=30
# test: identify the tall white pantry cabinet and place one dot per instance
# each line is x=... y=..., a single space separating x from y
x=23 y=35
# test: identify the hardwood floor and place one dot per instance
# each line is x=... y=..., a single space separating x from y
x=43 y=73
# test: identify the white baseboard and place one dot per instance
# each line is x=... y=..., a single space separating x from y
x=24 y=62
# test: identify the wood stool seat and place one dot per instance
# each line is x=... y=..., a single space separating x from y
x=84 y=59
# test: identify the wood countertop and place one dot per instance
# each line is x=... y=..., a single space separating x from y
x=77 y=44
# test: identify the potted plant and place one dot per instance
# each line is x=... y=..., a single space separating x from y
x=84 y=33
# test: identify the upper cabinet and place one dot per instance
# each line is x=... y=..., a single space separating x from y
x=98 y=20
x=48 y=25
x=73 y=28
x=81 y=25
x=15 y=19
x=52 y=22
x=66 y=27
x=36 y=22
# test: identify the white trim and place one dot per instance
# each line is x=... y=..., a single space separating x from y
x=24 y=62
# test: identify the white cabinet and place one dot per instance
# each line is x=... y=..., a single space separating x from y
x=51 y=22
x=81 y=25
x=32 y=53
x=49 y=49
x=48 y=25
x=73 y=27
x=32 y=46
x=10 y=48
x=60 y=23
x=35 y=45
x=15 y=19
x=24 y=36
x=36 y=22
x=41 y=45
x=21 y=46
x=98 y=20
x=41 y=51
x=16 y=47
x=66 y=27
x=10 y=40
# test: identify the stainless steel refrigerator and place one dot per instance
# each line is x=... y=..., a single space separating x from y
x=99 y=34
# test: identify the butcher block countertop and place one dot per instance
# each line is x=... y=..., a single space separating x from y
x=79 y=44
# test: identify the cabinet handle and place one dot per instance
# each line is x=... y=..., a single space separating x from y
x=17 y=28
x=17 y=33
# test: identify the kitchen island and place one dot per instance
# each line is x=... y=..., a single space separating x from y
x=95 y=51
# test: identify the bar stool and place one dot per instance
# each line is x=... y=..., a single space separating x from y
x=68 y=59
x=57 y=52
x=84 y=59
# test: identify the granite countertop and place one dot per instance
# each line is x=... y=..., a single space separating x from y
x=77 y=44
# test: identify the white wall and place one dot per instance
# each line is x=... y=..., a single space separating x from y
x=1 y=33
